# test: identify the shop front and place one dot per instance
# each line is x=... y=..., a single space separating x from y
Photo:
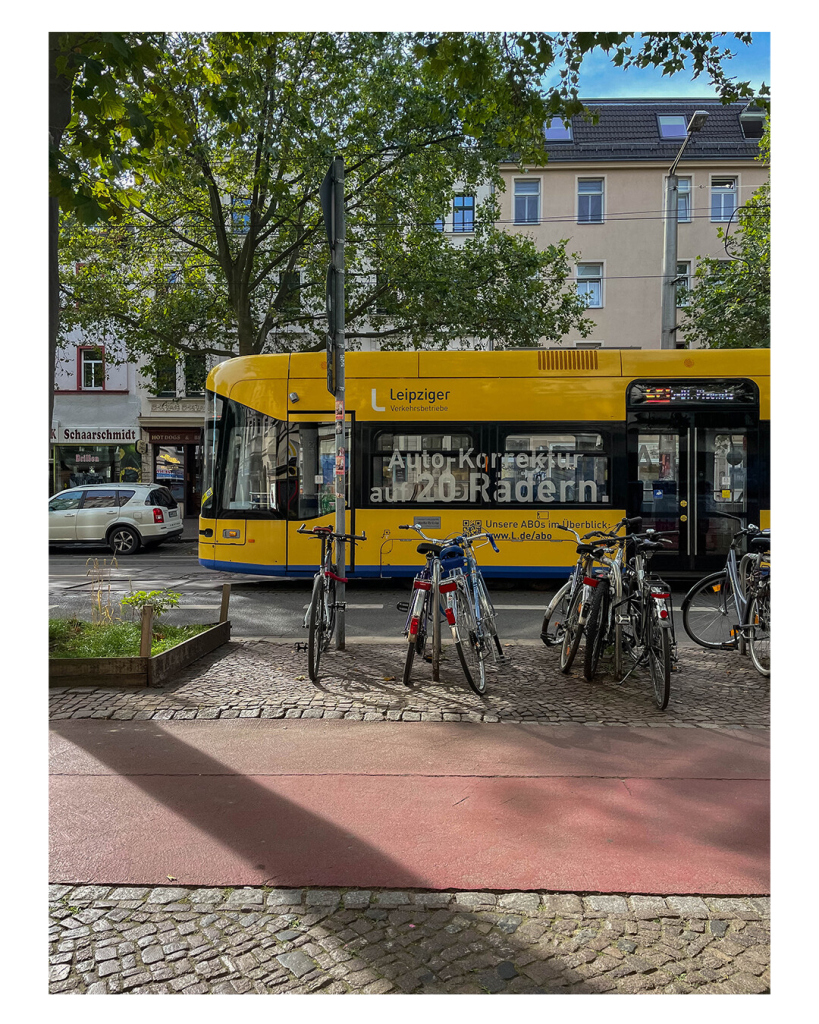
x=176 y=458
x=93 y=455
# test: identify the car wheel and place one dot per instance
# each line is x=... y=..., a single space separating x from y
x=123 y=540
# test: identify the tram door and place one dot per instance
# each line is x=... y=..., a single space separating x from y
x=693 y=455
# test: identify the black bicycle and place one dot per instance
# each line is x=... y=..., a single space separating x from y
x=320 y=617
x=648 y=627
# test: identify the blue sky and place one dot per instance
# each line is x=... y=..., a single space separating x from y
x=600 y=79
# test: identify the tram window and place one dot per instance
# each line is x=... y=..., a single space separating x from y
x=252 y=463
x=214 y=411
x=425 y=469
x=542 y=468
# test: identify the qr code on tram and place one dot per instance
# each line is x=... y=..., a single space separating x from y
x=471 y=527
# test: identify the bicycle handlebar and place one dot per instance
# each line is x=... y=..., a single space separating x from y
x=327 y=531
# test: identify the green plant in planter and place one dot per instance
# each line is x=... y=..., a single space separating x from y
x=159 y=600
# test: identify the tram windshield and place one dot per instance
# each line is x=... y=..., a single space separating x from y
x=259 y=467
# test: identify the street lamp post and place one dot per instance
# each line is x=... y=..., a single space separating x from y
x=669 y=313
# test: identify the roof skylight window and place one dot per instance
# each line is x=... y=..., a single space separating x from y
x=672 y=126
x=557 y=131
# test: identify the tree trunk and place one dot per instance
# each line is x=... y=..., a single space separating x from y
x=59 y=114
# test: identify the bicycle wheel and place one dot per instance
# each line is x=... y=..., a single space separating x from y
x=596 y=630
x=709 y=613
x=572 y=632
x=488 y=616
x=555 y=612
x=467 y=645
x=759 y=641
x=435 y=610
x=416 y=642
x=318 y=626
x=658 y=642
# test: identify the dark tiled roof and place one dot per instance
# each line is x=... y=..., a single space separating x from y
x=629 y=130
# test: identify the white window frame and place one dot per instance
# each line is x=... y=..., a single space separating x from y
x=96 y=355
x=527 y=195
x=689 y=192
x=721 y=177
x=560 y=126
x=672 y=138
x=584 y=177
x=686 y=281
x=601 y=278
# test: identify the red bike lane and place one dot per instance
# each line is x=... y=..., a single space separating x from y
x=410 y=805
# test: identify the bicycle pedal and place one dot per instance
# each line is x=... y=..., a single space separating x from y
x=403 y=606
x=340 y=604
x=300 y=646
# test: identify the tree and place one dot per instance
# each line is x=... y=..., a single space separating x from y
x=497 y=77
x=225 y=249
x=219 y=245
x=96 y=137
x=730 y=303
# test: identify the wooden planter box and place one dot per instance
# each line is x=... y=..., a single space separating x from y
x=136 y=672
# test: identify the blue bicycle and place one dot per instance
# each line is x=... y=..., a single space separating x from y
x=451 y=589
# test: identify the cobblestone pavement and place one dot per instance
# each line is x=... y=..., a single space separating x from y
x=197 y=941
x=254 y=679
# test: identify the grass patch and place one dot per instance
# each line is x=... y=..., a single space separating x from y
x=72 y=638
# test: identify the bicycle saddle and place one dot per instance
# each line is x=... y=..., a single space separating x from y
x=429 y=549
x=760 y=544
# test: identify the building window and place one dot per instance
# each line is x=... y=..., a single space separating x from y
x=672 y=126
x=558 y=132
x=439 y=224
x=752 y=122
x=590 y=201
x=240 y=216
x=723 y=198
x=590 y=283
x=683 y=282
x=164 y=374
x=92 y=369
x=464 y=213
x=196 y=373
x=527 y=202
x=683 y=200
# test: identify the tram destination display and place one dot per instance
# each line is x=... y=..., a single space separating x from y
x=688 y=393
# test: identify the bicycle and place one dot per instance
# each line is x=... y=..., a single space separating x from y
x=425 y=609
x=474 y=612
x=648 y=624
x=717 y=611
x=451 y=569
x=320 y=617
x=571 y=601
x=604 y=623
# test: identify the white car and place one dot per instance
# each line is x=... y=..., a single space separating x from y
x=126 y=517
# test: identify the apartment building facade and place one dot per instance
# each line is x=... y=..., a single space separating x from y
x=604 y=189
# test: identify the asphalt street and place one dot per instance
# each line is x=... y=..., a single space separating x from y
x=265 y=607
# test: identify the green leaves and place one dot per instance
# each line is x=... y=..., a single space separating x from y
x=730 y=304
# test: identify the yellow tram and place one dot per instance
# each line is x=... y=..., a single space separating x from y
x=511 y=442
